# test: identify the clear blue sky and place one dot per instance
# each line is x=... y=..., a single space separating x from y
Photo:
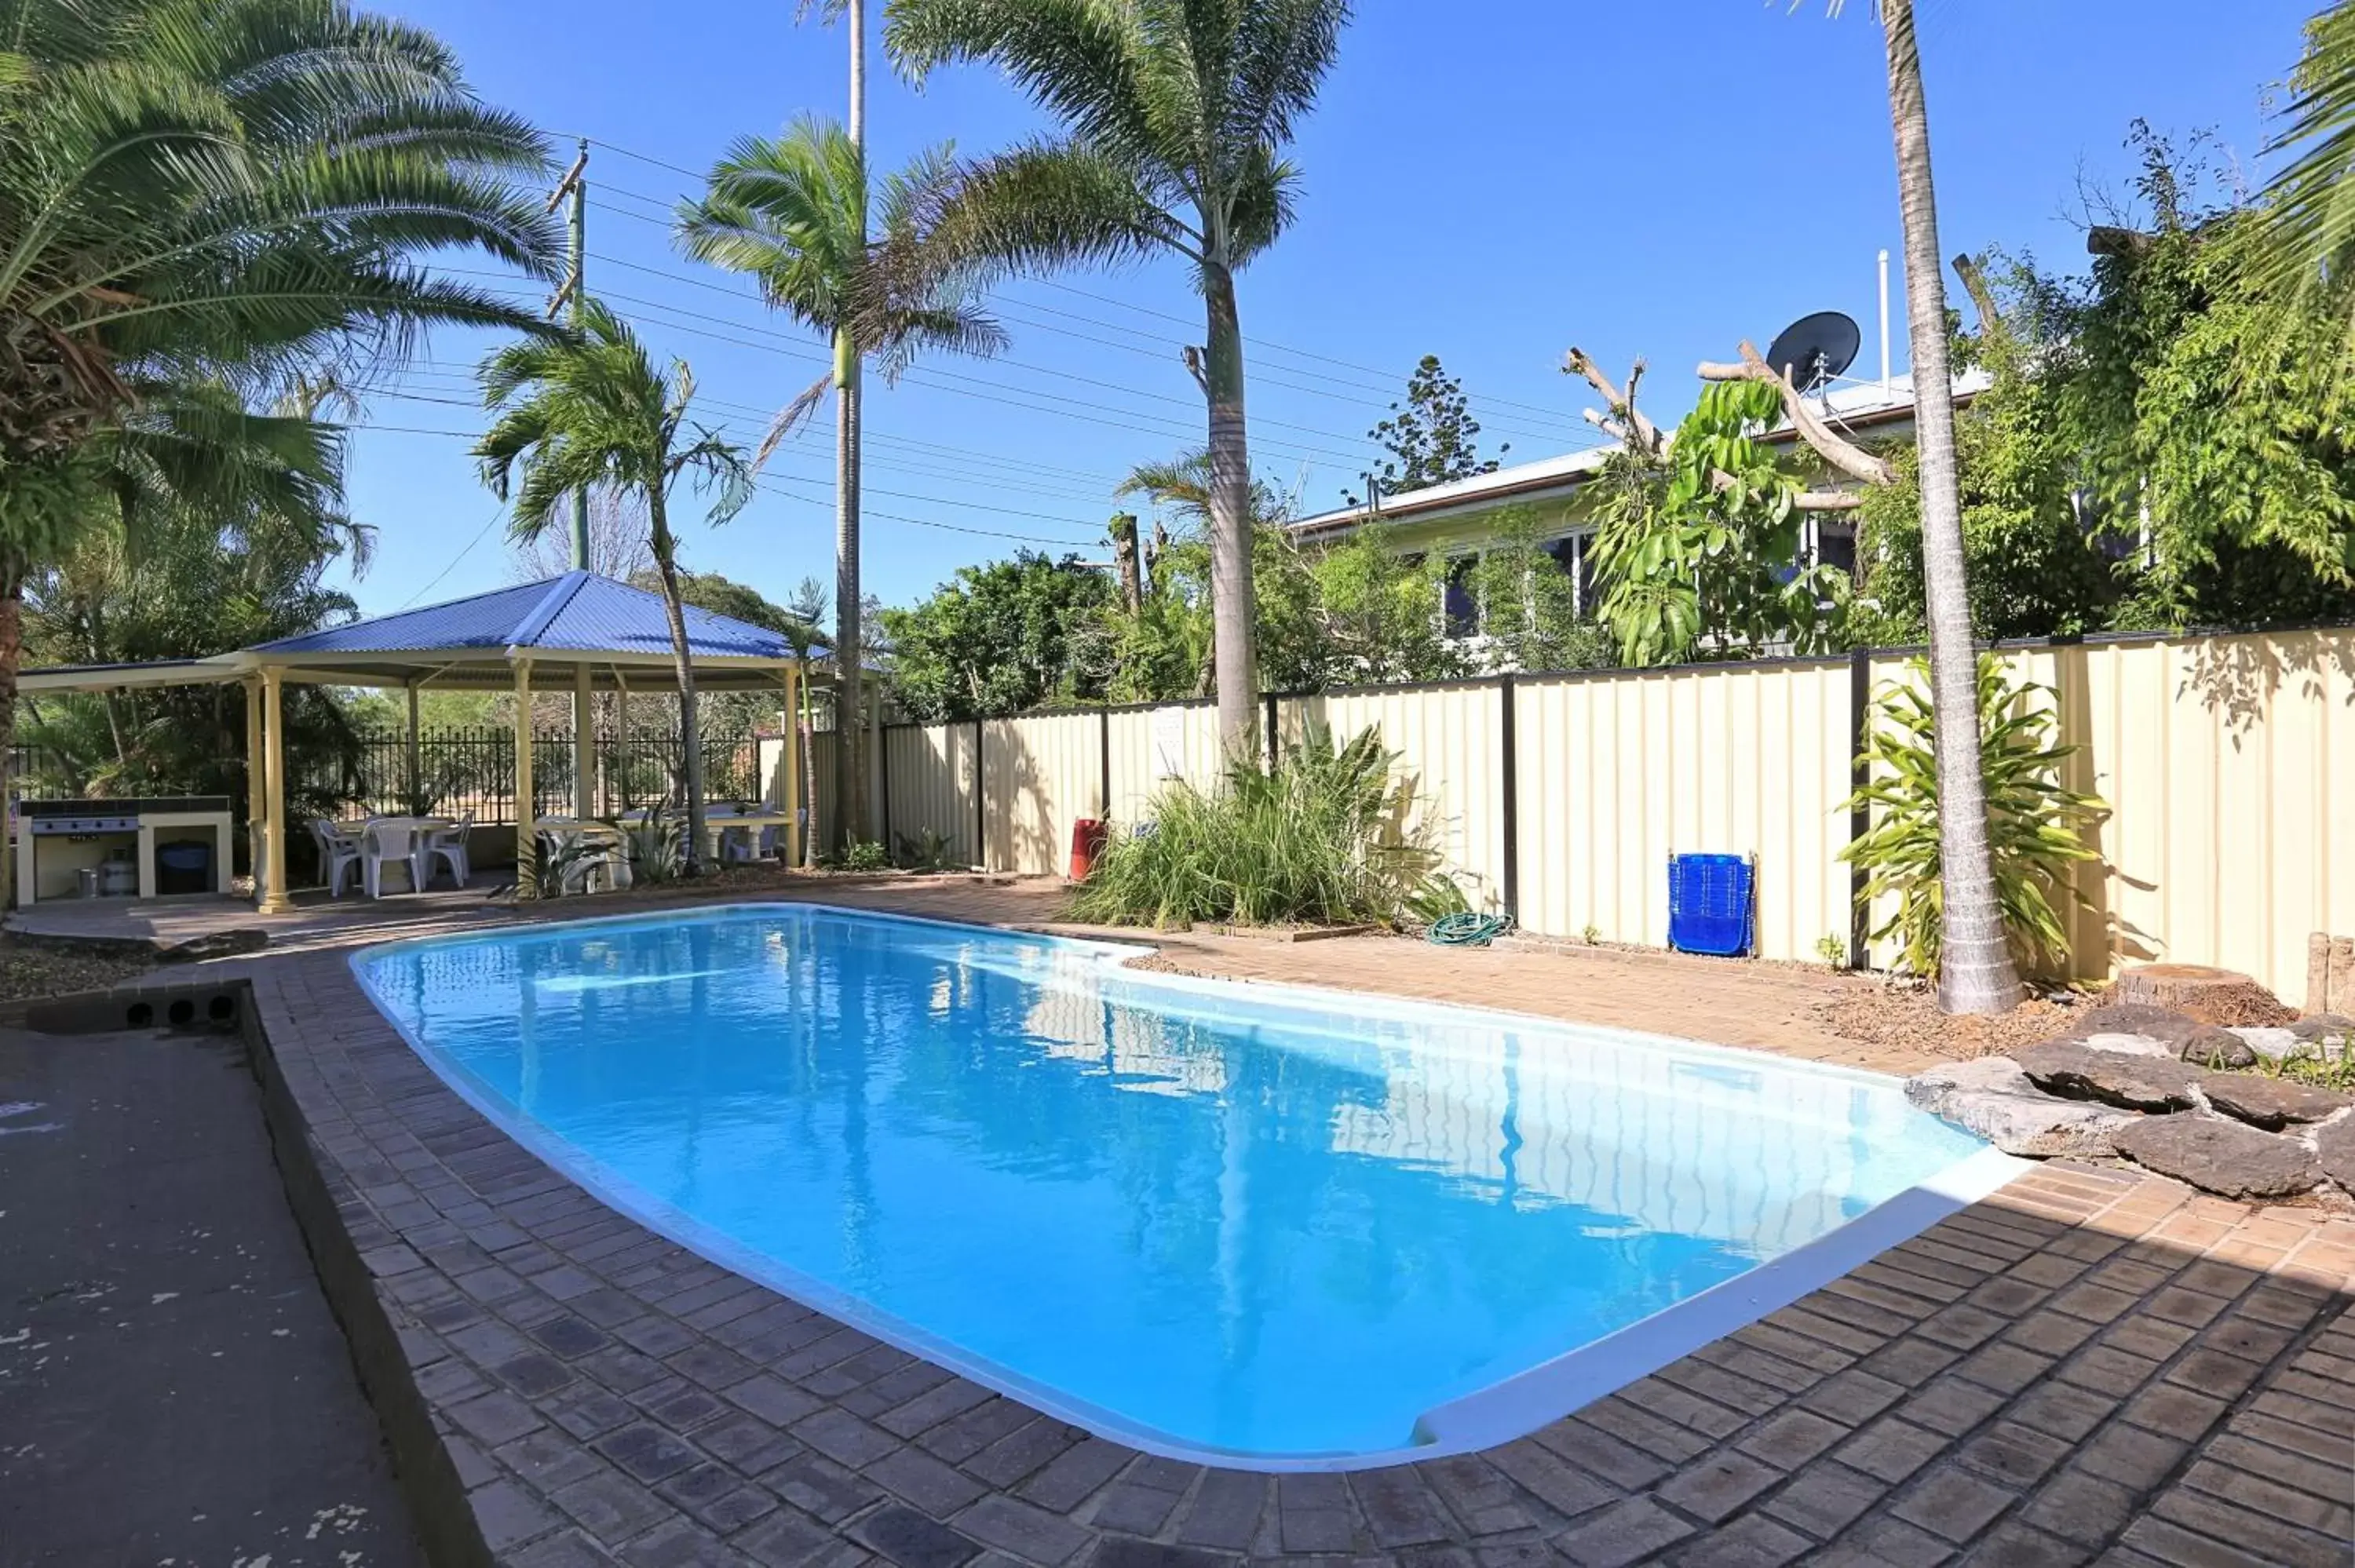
x=1490 y=183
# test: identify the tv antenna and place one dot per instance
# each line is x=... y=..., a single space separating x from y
x=1814 y=350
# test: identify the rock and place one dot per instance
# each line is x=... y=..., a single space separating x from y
x=2273 y=1043
x=2334 y=1151
x=2270 y=1103
x=2211 y=995
x=2335 y=1033
x=2119 y=1043
x=2218 y=1156
x=2212 y=1047
x=1991 y=1099
x=1982 y=1075
x=214 y=945
x=2133 y=1083
x=2137 y=1018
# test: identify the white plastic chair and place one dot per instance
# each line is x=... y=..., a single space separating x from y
x=339 y=851
x=396 y=843
x=448 y=846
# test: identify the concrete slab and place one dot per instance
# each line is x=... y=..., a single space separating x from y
x=175 y=1387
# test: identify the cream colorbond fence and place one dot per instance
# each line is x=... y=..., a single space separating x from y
x=2228 y=763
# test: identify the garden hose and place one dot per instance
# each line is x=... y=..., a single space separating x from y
x=1466 y=929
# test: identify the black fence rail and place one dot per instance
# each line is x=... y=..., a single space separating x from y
x=456 y=772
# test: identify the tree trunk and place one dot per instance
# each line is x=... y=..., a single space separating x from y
x=690 y=732
x=1233 y=603
x=12 y=654
x=1976 y=974
x=1123 y=529
x=855 y=18
x=850 y=733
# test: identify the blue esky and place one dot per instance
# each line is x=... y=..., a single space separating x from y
x=1490 y=183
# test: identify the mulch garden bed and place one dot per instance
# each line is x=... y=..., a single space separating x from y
x=32 y=970
x=1907 y=1017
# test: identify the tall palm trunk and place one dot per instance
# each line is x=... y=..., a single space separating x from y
x=850 y=732
x=850 y=708
x=1976 y=971
x=12 y=654
x=690 y=730
x=1233 y=604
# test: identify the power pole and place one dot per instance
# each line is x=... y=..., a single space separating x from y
x=575 y=184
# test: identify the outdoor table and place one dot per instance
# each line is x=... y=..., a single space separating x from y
x=716 y=824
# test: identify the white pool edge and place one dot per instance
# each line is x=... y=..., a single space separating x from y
x=1496 y=1414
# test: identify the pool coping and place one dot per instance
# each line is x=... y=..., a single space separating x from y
x=1487 y=1418
x=596 y=1396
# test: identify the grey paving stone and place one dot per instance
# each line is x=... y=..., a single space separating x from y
x=1399 y=1509
x=610 y=1506
x=1714 y=1489
x=494 y=1417
x=509 y=1514
x=1625 y=1532
x=1119 y=1551
x=1016 y=1527
x=647 y=1451
x=905 y=1537
x=918 y=1478
x=1076 y=1474
x=1225 y=1511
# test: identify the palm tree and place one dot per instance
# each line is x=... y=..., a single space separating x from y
x=593 y=410
x=792 y=213
x=201 y=190
x=1174 y=117
x=2304 y=242
x=1977 y=974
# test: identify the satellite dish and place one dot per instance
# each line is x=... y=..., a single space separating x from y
x=1815 y=349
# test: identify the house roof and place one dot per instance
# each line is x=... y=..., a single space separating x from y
x=1859 y=405
x=576 y=612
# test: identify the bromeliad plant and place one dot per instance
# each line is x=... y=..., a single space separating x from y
x=1325 y=837
x=2034 y=820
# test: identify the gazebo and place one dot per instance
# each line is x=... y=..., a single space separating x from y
x=579 y=632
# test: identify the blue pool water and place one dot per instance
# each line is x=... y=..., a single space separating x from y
x=1255 y=1221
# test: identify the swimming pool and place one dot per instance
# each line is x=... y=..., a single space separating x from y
x=1260 y=1224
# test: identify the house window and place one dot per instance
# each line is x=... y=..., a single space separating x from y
x=1571 y=554
x=1836 y=547
x=1462 y=605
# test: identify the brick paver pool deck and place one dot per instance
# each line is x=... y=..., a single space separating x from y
x=2090 y=1365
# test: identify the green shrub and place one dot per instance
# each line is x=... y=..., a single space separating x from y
x=655 y=844
x=2033 y=820
x=924 y=850
x=1324 y=838
x=860 y=854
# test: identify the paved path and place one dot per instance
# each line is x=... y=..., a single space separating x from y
x=173 y=1388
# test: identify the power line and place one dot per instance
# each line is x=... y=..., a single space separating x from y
x=1388 y=379
x=774 y=483
x=465 y=374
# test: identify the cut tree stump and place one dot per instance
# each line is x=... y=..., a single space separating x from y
x=2225 y=997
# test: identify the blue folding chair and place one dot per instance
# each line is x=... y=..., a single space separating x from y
x=1711 y=903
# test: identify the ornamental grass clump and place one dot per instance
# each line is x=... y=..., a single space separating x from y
x=1324 y=838
x=2034 y=820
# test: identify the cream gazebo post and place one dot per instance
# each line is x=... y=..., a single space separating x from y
x=584 y=744
x=257 y=824
x=526 y=821
x=793 y=800
x=415 y=758
x=274 y=900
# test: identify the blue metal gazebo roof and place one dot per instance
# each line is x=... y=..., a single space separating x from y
x=579 y=613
